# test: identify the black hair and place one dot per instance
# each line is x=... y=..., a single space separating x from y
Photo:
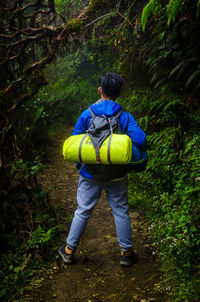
x=111 y=84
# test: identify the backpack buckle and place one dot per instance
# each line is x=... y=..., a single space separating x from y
x=98 y=157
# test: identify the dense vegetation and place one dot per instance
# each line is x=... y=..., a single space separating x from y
x=157 y=50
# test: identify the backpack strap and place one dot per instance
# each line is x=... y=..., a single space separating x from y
x=118 y=114
x=108 y=150
x=99 y=101
x=110 y=138
x=92 y=113
x=80 y=148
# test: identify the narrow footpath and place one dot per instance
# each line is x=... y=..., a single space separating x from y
x=97 y=275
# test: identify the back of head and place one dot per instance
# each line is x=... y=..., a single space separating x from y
x=111 y=84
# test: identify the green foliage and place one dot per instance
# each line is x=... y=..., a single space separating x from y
x=61 y=5
x=194 y=76
x=39 y=237
x=72 y=87
x=148 y=10
x=173 y=8
x=198 y=9
x=169 y=62
x=154 y=7
x=30 y=234
x=164 y=56
x=25 y=172
x=169 y=192
x=160 y=57
x=75 y=24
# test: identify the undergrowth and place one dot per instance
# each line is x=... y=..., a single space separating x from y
x=168 y=191
x=29 y=227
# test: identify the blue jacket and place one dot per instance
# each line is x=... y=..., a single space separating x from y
x=109 y=108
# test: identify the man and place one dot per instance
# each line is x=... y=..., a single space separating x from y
x=112 y=178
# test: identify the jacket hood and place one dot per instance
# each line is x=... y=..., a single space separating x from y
x=107 y=107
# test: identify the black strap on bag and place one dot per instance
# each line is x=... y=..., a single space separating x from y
x=80 y=148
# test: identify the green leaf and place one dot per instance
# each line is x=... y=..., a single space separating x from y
x=147 y=11
x=173 y=9
x=177 y=67
x=172 y=104
x=193 y=229
x=38 y=114
x=2 y=292
x=198 y=9
x=17 y=269
x=193 y=76
x=181 y=225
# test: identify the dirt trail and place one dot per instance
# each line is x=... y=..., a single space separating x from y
x=97 y=275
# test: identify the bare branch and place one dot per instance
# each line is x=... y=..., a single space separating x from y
x=124 y=17
x=27 y=6
x=101 y=17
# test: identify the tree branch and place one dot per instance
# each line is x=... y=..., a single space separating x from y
x=124 y=17
x=21 y=33
x=101 y=17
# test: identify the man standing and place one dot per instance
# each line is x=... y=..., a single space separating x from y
x=111 y=178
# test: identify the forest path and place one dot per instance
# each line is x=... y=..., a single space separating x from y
x=97 y=275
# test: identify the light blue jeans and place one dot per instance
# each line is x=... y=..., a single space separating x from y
x=88 y=193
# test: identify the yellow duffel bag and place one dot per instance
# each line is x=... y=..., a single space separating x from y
x=116 y=149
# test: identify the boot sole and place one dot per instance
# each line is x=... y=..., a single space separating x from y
x=67 y=261
x=123 y=263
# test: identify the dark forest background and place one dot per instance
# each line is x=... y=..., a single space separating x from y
x=51 y=56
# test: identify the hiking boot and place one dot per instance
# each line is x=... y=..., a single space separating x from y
x=127 y=258
x=66 y=254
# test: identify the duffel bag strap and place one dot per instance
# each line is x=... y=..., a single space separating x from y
x=80 y=148
x=108 y=150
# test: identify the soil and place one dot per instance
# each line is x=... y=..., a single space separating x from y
x=97 y=275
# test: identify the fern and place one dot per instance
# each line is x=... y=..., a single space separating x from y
x=161 y=81
x=172 y=104
x=148 y=10
x=181 y=65
x=144 y=121
x=39 y=237
x=174 y=7
x=193 y=76
x=198 y=9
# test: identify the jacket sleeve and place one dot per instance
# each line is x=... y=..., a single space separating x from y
x=82 y=123
x=136 y=134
